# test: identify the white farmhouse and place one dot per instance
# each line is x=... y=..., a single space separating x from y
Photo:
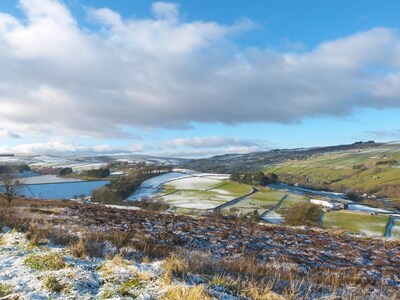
x=323 y=203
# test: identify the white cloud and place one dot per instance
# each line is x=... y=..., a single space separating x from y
x=165 y=10
x=105 y=16
x=212 y=142
x=208 y=152
x=57 y=78
x=58 y=147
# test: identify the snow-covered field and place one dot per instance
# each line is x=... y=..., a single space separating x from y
x=78 y=279
x=193 y=183
x=29 y=272
x=217 y=176
x=78 y=167
x=365 y=208
x=157 y=181
x=151 y=187
x=274 y=218
x=197 y=200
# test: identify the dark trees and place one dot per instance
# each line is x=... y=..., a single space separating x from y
x=256 y=178
x=10 y=185
x=304 y=213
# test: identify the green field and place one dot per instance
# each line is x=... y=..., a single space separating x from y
x=260 y=201
x=267 y=196
x=233 y=188
x=293 y=199
x=199 y=193
x=371 y=170
x=194 y=196
x=356 y=222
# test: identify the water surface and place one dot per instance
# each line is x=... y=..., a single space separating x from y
x=64 y=190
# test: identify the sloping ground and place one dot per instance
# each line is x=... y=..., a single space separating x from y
x=51 y=272
x=293 y=199
x=201 y=193
x=363 y=266
x=64 y=276
x=196 y=199
x=192 y=183
x=305 y=249
x=257 y=160
x=260 y=201
x=369 y=170
x=233 y=188
x=356 y=222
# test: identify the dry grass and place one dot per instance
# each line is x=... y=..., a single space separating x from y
x=5 y=289
x=181 y=292
x=242 y=271
x=88 y=246
x=175 y=267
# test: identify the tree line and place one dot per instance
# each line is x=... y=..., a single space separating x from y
x=254 y=178
x=122 y=187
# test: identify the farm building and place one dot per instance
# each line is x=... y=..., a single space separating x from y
x=327 y=204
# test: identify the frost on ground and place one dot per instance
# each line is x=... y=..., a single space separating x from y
x=51 y=272
x=193 y=183
x=197 y=199
x=199 y=250
x=22 y=271
x=274 y=218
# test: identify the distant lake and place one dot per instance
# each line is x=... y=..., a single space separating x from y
x=62 y=190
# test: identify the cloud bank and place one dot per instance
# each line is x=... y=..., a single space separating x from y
x=60 y=148
x=212 y=142
x=59 y=78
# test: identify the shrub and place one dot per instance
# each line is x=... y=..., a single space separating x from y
x=129 y=288
x=352 y=195
x=174 y=266
x=51 y=261
x=89 y=245
x=52 y=284
x=386 y=162
x=5 y=289
x=154 y=205
x=304 y=213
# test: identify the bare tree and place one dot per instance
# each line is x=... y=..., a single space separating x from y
x=10 y=185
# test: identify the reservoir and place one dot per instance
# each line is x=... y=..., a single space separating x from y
x=52 y=187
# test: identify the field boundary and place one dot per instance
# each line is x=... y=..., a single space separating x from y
x=273 y=207
x=235 y=201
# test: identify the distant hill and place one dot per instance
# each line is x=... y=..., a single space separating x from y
x=258 y=160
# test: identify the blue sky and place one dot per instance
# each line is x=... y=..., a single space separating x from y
x=196 y=78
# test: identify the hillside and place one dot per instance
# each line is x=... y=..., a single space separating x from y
x=365 y=167
x=97 y=252
x=258 y=160
x=374 y=170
